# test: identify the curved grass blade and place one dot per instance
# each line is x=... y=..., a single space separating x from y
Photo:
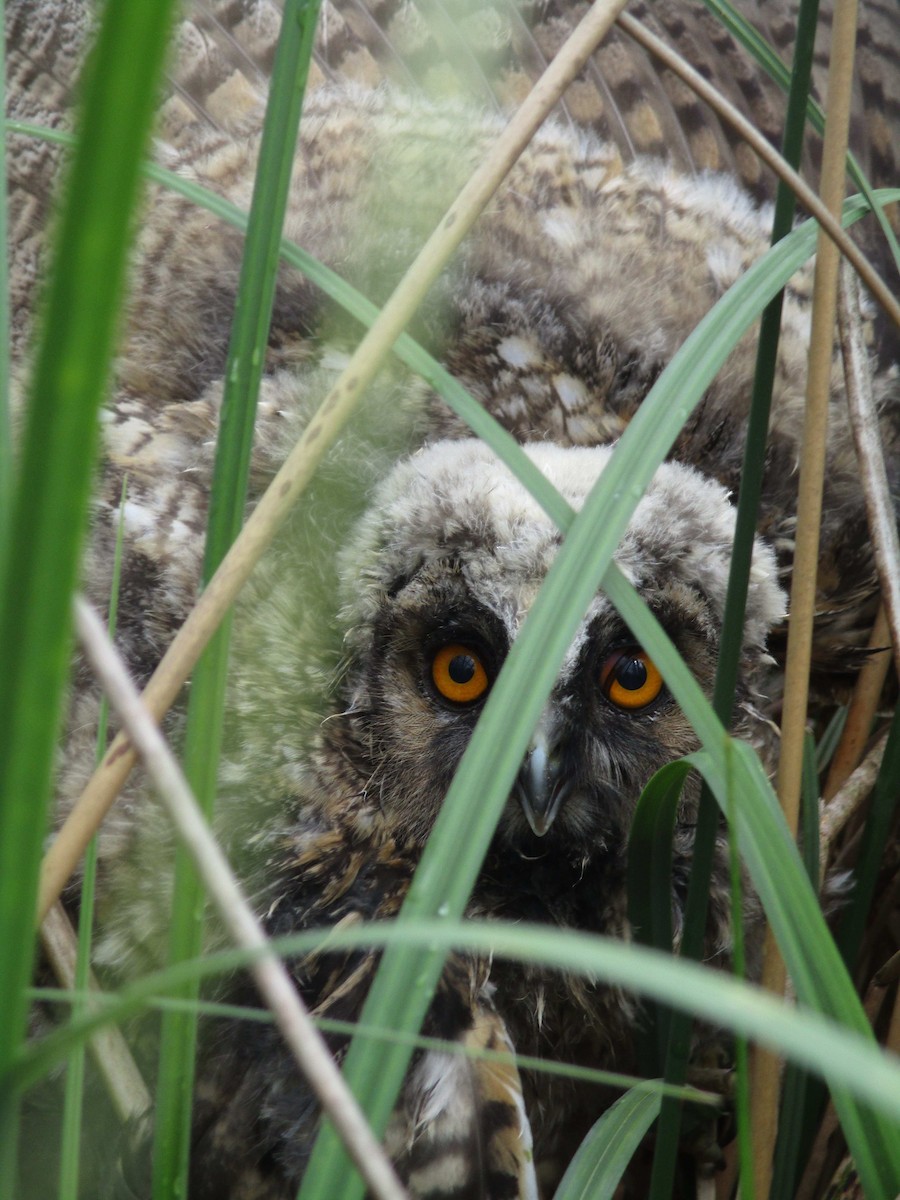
x=749 y=494
x=795 y=1143
x=818 y=1042
x=776 y=869
x=402 y=989
x=603 y=1157
x=262 y=1016
x=81 y=306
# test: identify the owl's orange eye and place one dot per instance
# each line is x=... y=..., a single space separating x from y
x=630 y=679
x=458 y=673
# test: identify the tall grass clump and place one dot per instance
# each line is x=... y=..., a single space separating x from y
x=827 y=1035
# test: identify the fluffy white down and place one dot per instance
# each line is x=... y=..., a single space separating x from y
x=455 y=498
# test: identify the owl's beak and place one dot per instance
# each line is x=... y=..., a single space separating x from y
x=539 y=787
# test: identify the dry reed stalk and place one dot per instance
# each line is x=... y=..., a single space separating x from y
x=767 y=1068
x=870 y=453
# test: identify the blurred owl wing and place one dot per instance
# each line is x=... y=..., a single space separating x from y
x=461 y=1129
x=494 y=50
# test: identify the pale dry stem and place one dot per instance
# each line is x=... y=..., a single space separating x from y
x=271 y=976
x=873 y=473
x=121 y=1076
x=835 y=815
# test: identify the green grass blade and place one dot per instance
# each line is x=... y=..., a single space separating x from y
x=749 y=494
x=830 y=739
x=206 y=706
x=603 y=1157
x=262 y=1016
x=854 y=1061
x=883 y=806
x=443 y=882
x=753 y=467
x=668 y=1128
x=805 y=1096
x=803 y=1105
x=81 y=306
x=810 y=812
x=819 y=975
x=649 y=882
x=802 y=1095
x=739 y=969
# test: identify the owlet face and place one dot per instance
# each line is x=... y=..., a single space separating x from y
x=446 y=567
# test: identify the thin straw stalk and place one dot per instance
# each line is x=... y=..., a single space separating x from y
x=270 y=974
x=806 y=551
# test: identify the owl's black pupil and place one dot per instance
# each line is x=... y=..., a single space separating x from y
x=462 y=668
x=631 y=673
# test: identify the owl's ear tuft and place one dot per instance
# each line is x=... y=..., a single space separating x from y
x=684 y=526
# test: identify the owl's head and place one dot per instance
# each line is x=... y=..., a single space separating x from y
x=445 y=568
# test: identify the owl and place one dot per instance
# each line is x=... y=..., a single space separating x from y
x=368 y=641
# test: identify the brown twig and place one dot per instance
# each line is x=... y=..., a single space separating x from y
x=863 y=707
x=883 y=978
x=873 y=475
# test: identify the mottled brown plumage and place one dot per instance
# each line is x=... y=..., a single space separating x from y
x=576 y=288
